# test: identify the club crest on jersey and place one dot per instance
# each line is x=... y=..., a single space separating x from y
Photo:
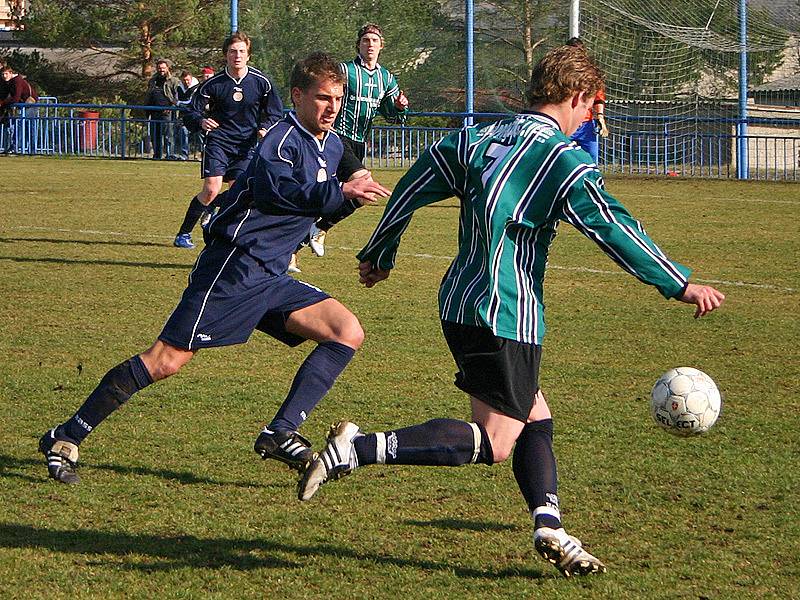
x=237 y=94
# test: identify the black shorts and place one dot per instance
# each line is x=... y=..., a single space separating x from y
x=502 y=373
x=352 y=159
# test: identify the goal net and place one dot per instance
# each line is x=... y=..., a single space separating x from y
x=672 y=69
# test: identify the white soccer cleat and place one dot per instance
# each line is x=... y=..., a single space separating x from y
x=293 y=265
x=334 y=462
x=316 y=240
x=565 y=552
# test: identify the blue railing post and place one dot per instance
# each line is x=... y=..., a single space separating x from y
x=123 y=136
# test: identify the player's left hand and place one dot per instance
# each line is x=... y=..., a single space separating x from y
x=261 y=133
x=369 y=275
x=364 y=190
x=704 y=297
x=401 y=102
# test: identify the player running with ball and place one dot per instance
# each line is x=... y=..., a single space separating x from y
x=516 y=179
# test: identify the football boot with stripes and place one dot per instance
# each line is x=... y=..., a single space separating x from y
x=334 y=462
x=316 y=240
x=62 y=458
x=289 y=447
x=565 y=552
x=294 y=264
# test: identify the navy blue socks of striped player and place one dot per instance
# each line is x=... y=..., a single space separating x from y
x=313 y=380
x=535 y=471
x=193 y=214
x=119 y=384
x=439 y=442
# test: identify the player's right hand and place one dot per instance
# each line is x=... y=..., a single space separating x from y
x=401 y=102
x=704 y=297
x=208 y=124
x=369 y=275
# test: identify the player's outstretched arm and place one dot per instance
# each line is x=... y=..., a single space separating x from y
x=704 y=297
x=364 y=190
x=369 y=275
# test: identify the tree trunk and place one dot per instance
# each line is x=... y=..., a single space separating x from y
x=527 y=36
x=146 y=45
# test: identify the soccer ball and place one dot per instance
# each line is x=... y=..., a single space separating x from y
x=685 y=401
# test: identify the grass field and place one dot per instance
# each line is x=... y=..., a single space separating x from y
x=174 y=503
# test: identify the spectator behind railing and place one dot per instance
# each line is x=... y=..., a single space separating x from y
x=162 y=90
x=185 y=92
x=19 y=132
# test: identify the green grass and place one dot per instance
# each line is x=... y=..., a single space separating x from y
x=174 y=504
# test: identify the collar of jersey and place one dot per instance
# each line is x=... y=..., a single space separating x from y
x=541 y=115
x=361 y=64
x=236 y=81
x=320 y=142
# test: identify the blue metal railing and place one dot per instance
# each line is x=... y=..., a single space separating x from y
x=97 y=130
x=652 y=145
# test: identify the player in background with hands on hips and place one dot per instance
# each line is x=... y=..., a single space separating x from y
x=370 y=89
x=239 y=283
x=516 y=179
x=232 y=110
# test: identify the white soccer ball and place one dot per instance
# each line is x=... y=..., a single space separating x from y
x=685 y=401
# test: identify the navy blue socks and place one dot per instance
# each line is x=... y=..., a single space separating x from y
x=535 y=471
x=439 y=442
x=313 y=380
x=193 y=214
x=119 y=384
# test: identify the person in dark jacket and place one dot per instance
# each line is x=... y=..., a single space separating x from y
x=162 y=90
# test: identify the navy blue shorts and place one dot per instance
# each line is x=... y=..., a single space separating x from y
x=226 y=160
x=229 y=295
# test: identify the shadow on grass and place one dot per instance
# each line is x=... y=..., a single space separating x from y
x=460 y=524
x=109 y=263
x=106 y=242
x=174 y=552
x=8 y=464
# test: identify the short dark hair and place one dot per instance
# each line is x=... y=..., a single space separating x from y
x=317 y=66
x=576 y=42
x=185 y=73
x=236 y=36
x=368 y=28
x=562 y=72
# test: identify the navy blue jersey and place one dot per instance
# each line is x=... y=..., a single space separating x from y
x=290 y=182
x=240 y=106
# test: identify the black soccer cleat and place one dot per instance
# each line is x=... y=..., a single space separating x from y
x=289 y=447
x=62 y=458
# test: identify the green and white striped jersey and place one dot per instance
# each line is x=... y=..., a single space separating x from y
x=516 y=179
x=367 y=92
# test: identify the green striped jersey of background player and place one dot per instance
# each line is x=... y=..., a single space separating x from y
x=516 y=179
x=369 y=89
